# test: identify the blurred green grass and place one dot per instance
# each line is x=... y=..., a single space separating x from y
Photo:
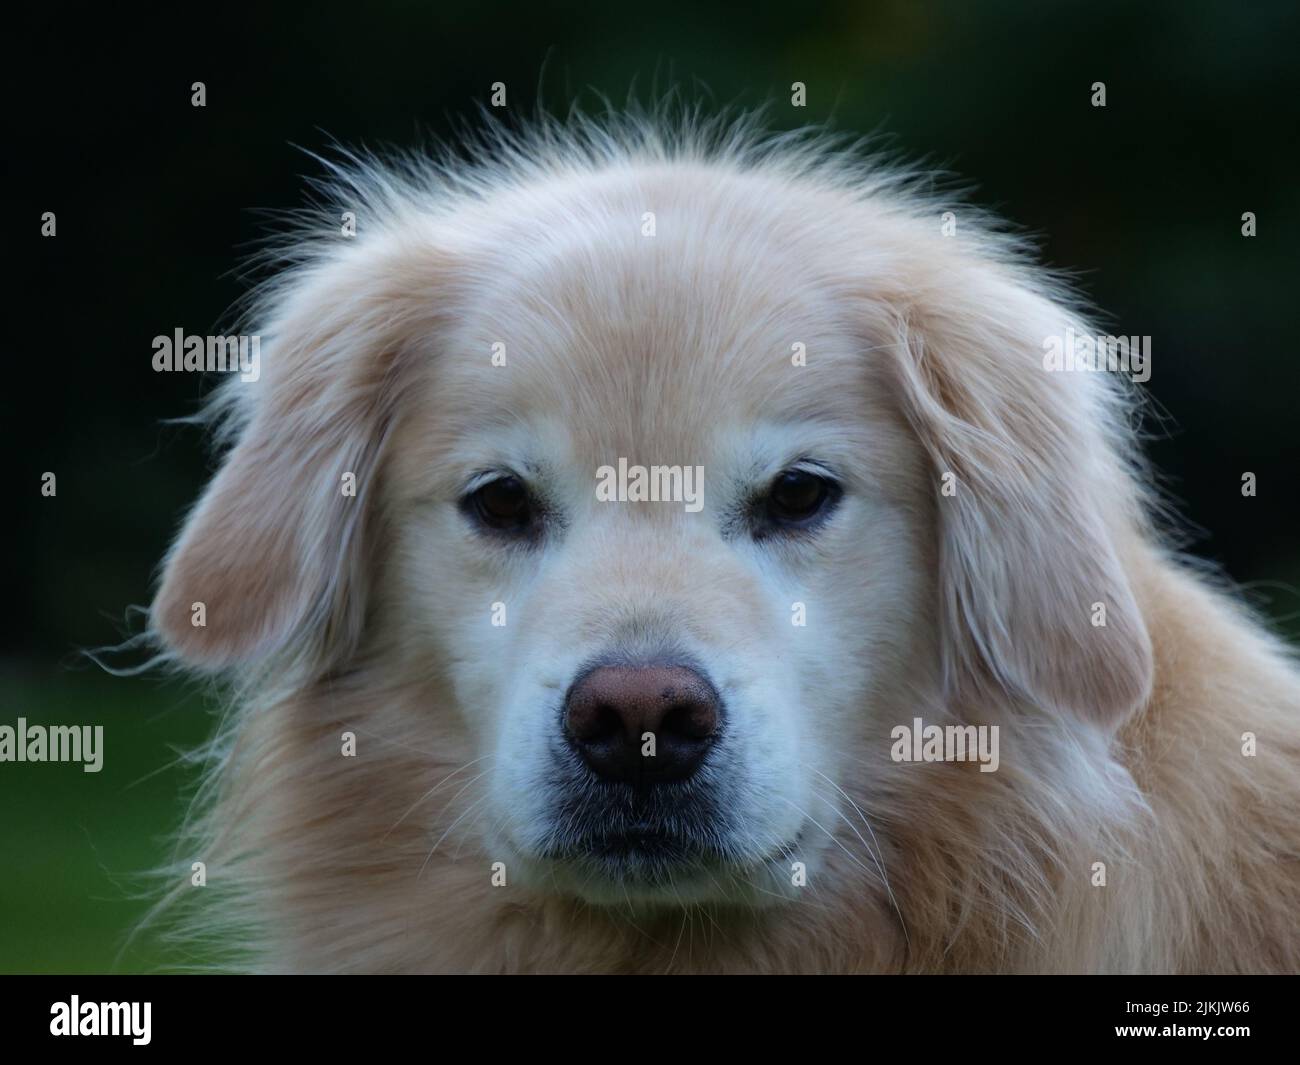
x=74 y=845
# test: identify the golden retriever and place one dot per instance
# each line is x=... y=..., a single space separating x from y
x=625 y=524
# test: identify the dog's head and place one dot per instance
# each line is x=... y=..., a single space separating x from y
x=682 y=482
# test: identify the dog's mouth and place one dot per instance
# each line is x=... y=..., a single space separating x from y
x=640 y=853
x=635 y=835
x=662 y=844
x=651 y=861
x=639 y=843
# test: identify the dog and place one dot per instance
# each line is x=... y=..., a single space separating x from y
x=626 y=521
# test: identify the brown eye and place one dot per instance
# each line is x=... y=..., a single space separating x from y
x=503 y=504
x=797 y=497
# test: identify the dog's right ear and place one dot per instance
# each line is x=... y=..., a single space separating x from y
x=1035 y=596
x=274 y=553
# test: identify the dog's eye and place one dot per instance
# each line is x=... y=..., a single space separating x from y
x=503 y=504
x=798 y=497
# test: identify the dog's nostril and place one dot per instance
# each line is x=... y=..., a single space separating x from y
x=602 y=723
x=642 y=724
x=691 y=719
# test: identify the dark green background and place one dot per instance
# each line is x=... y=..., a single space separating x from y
x=157 y=203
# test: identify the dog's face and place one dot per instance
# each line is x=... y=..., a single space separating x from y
x=671 y=699
x=663 y=692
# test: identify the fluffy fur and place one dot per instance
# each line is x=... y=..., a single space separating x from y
x=328 y=614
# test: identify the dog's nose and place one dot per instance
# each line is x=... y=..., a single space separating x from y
x=642 y=724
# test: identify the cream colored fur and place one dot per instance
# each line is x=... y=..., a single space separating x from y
x=328 y=614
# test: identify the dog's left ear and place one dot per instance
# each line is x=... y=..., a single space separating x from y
x=1038 y=505
x=274 y=556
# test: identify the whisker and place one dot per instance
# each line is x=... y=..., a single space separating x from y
x=877 y=856
x=429 y=793
x=482 y=798
x=832 y=837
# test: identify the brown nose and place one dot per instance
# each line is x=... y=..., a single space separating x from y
x=642 y=724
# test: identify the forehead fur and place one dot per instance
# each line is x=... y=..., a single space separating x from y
x=649 y=344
